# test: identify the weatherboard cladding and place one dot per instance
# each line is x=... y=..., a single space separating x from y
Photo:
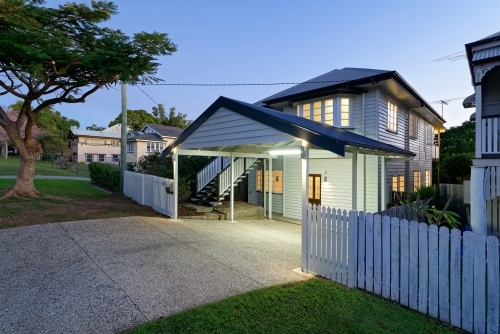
x=324 y=136
x=330 y=79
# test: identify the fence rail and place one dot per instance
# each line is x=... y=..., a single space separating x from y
x=440 y=272
x=149 y=190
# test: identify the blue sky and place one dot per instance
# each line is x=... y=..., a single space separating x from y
x=292 y=41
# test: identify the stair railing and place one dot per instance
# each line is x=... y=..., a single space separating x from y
x=240 y=166
x=208 y=172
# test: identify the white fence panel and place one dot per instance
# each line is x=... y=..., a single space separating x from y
x=150 y=191
x=442 y=273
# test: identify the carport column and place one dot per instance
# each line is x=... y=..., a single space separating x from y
x=231 y=200
x=383 y=184
x=264 y=186
x=175 y=159
x=305 y=203
x=354 y=181
x=270 y=187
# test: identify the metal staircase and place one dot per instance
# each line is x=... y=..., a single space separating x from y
x=213 y=181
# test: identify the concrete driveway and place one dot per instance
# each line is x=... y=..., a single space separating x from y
x=106 y=276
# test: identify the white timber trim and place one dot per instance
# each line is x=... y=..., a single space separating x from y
x=383 y=184
x=221 y=154
x=305 y=204
x=232 y=189
x=264 y=187
x=175 y=158
x=270 y=187
x=354 y=180
x=479 y=107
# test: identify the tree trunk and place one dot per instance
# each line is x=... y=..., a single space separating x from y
x=24 y=186
x=5 y=150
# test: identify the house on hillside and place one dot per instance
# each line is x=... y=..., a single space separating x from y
x=96 y=146
x=151 y=138
x=484 y=63
x=346 y=139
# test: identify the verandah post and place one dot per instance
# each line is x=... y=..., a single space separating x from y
x=305 y=203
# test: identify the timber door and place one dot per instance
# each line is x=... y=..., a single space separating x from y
x=315 y=189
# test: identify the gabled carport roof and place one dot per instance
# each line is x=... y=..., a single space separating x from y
x=323 y=136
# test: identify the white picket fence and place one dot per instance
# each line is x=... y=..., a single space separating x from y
x=448 y=275
x=149 y=190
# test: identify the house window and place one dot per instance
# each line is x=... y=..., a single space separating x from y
x=398 y=183
x=427 y=178
x=115 y=157
x=413 y=126
x=130 y=147
x=430 y=135
x=115 y=143
x=102 y=158
x=329 y=112
x=317 y=111
x=416 y=180
x=88 y=157
x=95 y=142
x=392 y=116
x=344 y=111
x=306 y=111
x=277 y=184
x=154 y=147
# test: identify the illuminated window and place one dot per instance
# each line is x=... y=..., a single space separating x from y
x=398 y=183
x=329 y=112
x=427 y=178
x=317 y=111
x=306 y=111
x=413 y=126
x=392 y=116
x=344 y=111
x=416 y=180
x=277 y=184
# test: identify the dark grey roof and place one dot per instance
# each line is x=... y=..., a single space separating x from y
x=135 y=133
x=497 y=34
x=166 y=131
x=470 y=101
x=332 y=78
x=325 y=136
x=149 y=137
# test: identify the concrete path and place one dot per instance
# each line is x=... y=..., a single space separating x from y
x=49 y=177
x=106 y=276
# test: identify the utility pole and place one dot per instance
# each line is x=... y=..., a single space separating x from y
x=123 y=143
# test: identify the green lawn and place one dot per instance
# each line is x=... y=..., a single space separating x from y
x=314 y=306
x=66 y=200
x=10 y=166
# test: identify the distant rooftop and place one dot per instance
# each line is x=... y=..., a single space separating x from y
x=166 y=131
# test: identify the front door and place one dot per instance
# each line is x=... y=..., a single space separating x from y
x=315 y=189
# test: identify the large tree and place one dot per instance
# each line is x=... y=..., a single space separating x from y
x=63 y=55
x=136 y=119
x=4 y=137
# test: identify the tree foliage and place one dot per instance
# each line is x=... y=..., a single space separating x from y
x=94 y=127
x=63 y=55
x=459 y=139
x=136 y=119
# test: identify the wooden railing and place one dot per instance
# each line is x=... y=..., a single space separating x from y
x=210 y=171
x=490 y=140
x=240 y=165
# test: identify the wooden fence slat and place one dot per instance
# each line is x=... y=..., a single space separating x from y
x=351 y=248
x=467 y=280
x=444 y=274
x=377 y=255
x=433 y=273
x=493 y=279
x=395 y=259
x=386 y=257
x=323 y=242
x=334 y=245
x=361 y=250
x=423 y=269
x=413 y=285
x=455 y=278
x=480 y=283
x=369 y=252
x=404 y=231
x=344 y=247
x=329 y=238
x=339 y=246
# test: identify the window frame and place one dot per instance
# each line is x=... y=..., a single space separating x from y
x=399 y=181
x=393 y=117
x=417 y=175
x=427 y=178
x=258 y=181
x=339 y=113
x=87 y=155
x=413 y=126
x=101 y=158
x=130 y=147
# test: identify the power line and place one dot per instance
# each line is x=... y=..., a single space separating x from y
x=147 y=95
x=453 y=57
x=448 y=100
x=241 y=84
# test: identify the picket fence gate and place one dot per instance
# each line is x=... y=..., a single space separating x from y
x=149 y=190
x=449 y=275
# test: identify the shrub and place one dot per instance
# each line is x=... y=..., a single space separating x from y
x=106 y=175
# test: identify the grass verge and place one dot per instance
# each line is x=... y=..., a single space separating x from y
x=10 y=166
x=314 y=306
x=66 y=200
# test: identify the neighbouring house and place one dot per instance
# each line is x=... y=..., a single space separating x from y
x=346 y=139
x=484 y=64
x=150 y=139
x=96 y=146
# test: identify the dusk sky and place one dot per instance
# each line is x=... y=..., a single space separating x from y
x=293 y=41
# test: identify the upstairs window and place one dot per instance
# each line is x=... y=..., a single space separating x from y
x=413 y=126
x=130 y=147
x=329 y=112
x=392 y=117
x=317 y=111
x=335 y=112
x=154 y=147
x=344 y=111
x=430 y=135
x=306 y=111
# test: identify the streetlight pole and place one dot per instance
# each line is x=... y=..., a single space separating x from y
x=123 y=142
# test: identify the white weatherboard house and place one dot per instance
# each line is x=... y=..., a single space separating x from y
x=484 y=64
x=345 y=139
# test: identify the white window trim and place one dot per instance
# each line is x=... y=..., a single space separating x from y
x=337 y=112
x=130 y=147
x=337 y=116
x=396 y=118
x=415 y=125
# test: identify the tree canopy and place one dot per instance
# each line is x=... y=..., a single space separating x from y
x=63 y=55
x=94 y=127
x=136 y=119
